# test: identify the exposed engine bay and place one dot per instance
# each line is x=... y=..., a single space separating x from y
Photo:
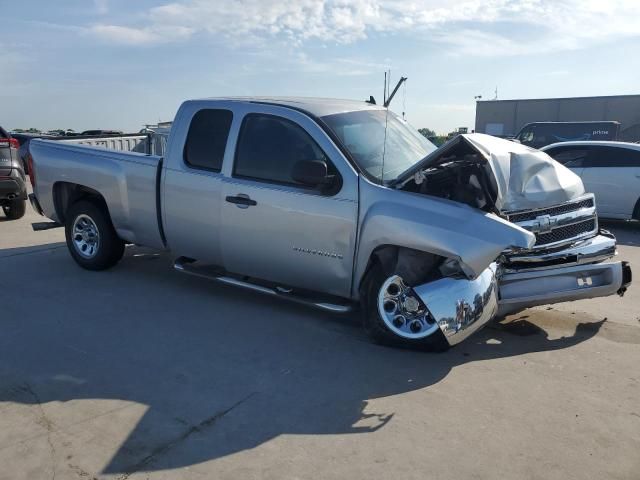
x=492 y=174
x=461 y=174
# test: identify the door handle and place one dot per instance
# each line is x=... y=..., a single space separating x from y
x=241 y=200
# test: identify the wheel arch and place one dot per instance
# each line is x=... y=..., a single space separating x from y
x=66 y=194
x=417 y=265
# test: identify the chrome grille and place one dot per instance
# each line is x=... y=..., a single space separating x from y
x=565 y=233
x=557 y=210
x=559 y=224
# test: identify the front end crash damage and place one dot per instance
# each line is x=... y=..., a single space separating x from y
x=531 y=194
x=458 y=306
x=454 y=305
x=461 y=306
x=491 y=174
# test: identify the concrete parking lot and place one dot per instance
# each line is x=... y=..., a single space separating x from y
x=140 y=372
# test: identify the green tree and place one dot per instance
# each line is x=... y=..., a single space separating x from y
x=427 y=132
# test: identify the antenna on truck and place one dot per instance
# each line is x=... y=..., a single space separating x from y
x=387 y=102
x=384 y=90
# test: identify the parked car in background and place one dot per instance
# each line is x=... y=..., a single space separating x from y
x=13 y=191
x=540 y=134
x=102 y=132
x=335 y=204
x=62 y=133
x=610 y=170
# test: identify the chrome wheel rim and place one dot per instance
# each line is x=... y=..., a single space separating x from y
x=402 y=311
x=86 y=237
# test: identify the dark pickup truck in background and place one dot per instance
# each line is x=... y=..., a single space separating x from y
x=541 y=134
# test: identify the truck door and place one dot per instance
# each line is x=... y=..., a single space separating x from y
x=277 y=229
x=192 y=184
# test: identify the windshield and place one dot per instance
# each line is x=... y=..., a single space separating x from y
x=363 y=134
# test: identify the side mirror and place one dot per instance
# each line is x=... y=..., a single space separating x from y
x=311 y=172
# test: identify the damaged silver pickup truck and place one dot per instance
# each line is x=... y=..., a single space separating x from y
x=338 y=203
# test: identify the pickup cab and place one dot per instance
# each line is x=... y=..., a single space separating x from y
x=340 y=204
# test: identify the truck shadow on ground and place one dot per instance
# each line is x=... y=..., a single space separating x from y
x=221 y=370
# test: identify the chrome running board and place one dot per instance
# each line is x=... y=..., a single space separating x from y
x=185 y=265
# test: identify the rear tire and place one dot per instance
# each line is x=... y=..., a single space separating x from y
x=378 y=330
x=16 y=209
x=91 y=239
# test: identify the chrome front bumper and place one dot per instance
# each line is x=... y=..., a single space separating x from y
x=461 y=306
x=581 y=270
x=528 y=289
x=596 y=249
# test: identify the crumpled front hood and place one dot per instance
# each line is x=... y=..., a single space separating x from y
x=526 y=178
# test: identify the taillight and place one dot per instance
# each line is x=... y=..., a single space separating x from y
x=32 y=172
x=11 y=142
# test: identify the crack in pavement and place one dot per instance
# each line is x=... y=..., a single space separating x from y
x=30 y=252
x=65 y=428
x=47 y=424
x=163 y=449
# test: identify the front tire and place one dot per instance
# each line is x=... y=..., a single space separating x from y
x=91 y=239
x=424 y=335
x=16 y=209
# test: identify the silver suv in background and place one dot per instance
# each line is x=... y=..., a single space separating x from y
x=13 y=191
x=610 y=170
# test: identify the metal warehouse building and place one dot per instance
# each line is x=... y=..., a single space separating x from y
x=507 y=117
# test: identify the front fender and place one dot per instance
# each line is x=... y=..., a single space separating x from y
x=439 y=226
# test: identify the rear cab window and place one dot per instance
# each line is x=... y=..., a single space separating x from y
x=207 y=139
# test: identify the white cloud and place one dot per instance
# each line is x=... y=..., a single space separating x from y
x=485 y=27
x=102 y=6
x=139 y=36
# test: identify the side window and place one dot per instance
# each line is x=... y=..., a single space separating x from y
x=616 y=157
x=207 y=139
x=570 y=157
x=270 y=146
x=634 y=158
x=526 y=136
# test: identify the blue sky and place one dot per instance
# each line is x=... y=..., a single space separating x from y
x=121 y=63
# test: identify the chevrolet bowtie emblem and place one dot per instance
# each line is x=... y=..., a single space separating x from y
x=543 y=224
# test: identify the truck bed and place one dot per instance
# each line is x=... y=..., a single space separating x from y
x=147 y=143
x=127 y=181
